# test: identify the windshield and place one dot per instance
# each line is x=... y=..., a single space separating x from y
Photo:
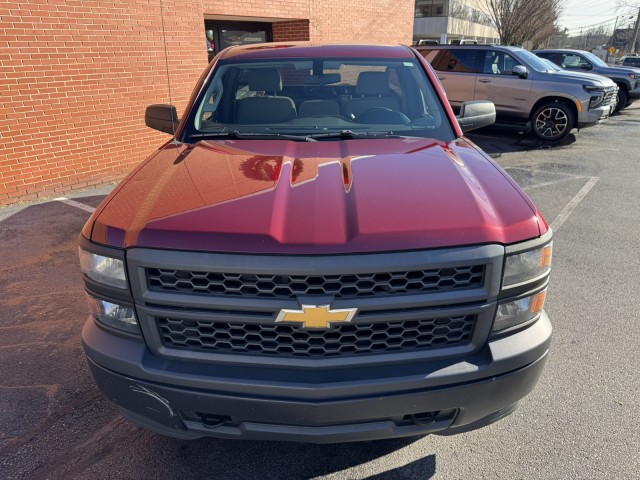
x=631 y=62
x=552 y=67
x=595 y=60
x=534 y=61
x=319 y=99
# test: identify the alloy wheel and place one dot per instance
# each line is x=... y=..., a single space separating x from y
x=552 y=122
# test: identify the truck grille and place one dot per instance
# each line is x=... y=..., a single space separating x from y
x=291 y=286
x=219 y=307
x=292 y=341
x=609 y=96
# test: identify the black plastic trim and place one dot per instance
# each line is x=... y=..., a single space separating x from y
x=489 y=255
x=529 y=244
x=485 y=315
x=159 y=408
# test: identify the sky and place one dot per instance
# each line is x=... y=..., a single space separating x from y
x=593 y=13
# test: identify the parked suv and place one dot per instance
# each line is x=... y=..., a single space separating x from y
x=626 y=78
x=522 y=87
x=630 y=61
x=317 y=255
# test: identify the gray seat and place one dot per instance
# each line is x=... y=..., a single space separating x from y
x=372 y=90
x=319 y=108
x=266 y=106
x=491 y=65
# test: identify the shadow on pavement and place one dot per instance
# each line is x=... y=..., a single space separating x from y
x=277 y=460
x=423 y=469
x=496 y=140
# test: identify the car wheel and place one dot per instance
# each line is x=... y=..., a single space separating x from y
x=552 y=121
x=622 y=100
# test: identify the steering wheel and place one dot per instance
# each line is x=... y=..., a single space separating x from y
x=381 y=115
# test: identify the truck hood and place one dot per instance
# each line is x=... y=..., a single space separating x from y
x=622 y=71
x=275 y=196
x=586 y=78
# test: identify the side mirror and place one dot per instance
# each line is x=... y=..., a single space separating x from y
x=162 y=117
x=586 y=66
x=521 y=71
x=476 y=114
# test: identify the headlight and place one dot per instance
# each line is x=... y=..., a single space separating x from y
x=518 y=312
x=114 y=315
x=106 y=270
x=596 y=101
x=632 y=75
x=597 y=95
x=526 y=266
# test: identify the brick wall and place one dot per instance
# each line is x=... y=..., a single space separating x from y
x=371 y=21
x=76 y=75
x=294 y=30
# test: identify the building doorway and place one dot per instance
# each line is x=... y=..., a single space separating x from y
x=223 y=34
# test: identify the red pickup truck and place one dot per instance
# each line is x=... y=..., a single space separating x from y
x=317 y=255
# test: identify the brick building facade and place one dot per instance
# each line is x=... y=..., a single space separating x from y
x=76 y=75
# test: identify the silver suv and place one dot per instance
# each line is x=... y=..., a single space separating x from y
x=524 y=89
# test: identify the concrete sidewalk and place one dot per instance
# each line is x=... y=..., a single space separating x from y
x=77 y=195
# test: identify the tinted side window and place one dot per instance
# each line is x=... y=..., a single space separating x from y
x=457 y=60
x=554 y=57
x=498 y=63
x=570 y=60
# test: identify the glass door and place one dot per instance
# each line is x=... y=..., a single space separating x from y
x=220 y=35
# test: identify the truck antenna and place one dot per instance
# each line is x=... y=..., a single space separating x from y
x=166 y=61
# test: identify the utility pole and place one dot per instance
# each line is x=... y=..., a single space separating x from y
x=635 y=32
x=615 y=25
x=581 y=35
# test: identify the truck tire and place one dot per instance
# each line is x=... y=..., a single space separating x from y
x=553 y=121
x=623 y=99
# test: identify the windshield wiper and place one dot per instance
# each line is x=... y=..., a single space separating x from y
x=352 y=134
x=254 y=135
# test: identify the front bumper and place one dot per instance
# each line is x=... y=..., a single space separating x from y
x=190 y=400
x=635 y=93
x=592 y=116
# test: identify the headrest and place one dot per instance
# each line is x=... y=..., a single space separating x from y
x=264 y=80
x=373 y=83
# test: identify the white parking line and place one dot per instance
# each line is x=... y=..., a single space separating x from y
x=571 y=206
x=73 y=203
x=536 y=170
x=546 y=184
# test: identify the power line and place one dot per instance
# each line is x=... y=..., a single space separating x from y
x=597 y=24
x=593 y=25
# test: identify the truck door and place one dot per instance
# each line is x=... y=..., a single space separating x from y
x=496 y=83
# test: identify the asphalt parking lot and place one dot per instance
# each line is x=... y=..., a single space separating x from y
x=581 y=421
